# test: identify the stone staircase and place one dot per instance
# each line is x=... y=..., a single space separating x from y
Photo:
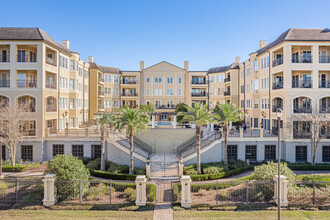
x=164 y=166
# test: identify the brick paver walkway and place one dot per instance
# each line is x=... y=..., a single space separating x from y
x=163 y=212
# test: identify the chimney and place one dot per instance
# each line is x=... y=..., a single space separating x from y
x=66 y=43
x=90 y=59
x=262 y=44
x=141 y=66
x=237 y=59
x=186 y=65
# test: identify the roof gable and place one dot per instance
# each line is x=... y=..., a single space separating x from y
x=163 y=67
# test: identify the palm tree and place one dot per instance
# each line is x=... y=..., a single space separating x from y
x=105 y=121
x=133 y=121
x=227 y=113
x=198 y=115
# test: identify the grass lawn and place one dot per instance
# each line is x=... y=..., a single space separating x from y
x=70 y=214
x=264 y=215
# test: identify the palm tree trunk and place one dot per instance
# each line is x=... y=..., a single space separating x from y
x=225 y=131
x=198 y=148
x=131 y=169
x=102 y=149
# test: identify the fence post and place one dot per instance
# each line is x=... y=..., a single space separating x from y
x=186 y=195
x=110 y=190
x=86 y=132
x=261 y=130
x=17 y=187
x=247 y=191
x=217 y=196
x=80 y=193
x=141 y=194
x=49 y=198
x=241 y=130
x=313 y=192
x=148 y=169
x=284 y=190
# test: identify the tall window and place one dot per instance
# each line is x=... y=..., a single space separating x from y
x=232 y=152
x=72 y=122
x=251 y=152
x=78 y=150
x=58 y=149
x=301 y=153
x=148 y=91
x=3 y=149
x=180 y=92
x=96 y=151
x=325 y=153
x=169 y=92
x=169 y=80
x=270 y=152
x=180 y=80
x=158 y=80
x=255 y=122
x=72 y=106
x=148 y=80
x=72 y=65
x=72 y=82
x=27 y=152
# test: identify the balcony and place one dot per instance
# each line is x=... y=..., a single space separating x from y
x=51 y=61
x=202 y=94
x=4 y=83
x=101 y=79
x=227 y=79
x=166 y=107
x=101 y=93
x=324 y=59
x=278 y=61
x=129 y=82
x=199 y=82
x=301 y=59
x=130 y=94
x=51 y=108
x=324 y=84
x=29 y=133
x=278 y=85
x=302 y=110
x=301 y=84
x=301 y=134
x=4 y=59
x=26 y=83
x=51 y=85
x=226 y=93
x=26 y=58
x=275 y=107
x=101 y=106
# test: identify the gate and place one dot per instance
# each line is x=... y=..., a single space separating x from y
x=165 y=193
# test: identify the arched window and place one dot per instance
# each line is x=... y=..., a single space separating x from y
x=29 y=101
x=302 y=105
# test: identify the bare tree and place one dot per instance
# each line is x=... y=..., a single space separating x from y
x=12 y=126
x=314 y=125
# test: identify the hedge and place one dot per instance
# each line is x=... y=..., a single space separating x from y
x=308 y=166
x=113 y=176
x=220 y=175
x=16 y=168
x=152 y=192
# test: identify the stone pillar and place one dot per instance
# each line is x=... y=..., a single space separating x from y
x=47 y=132
x=284 y=190
x=261 y=132
x=141 y=195
x=212 y=127
x=186 y=194
x=181 y=169
x=241 y=131
x=153 y=122
x=174 y=123
x=86 y=132
x=148 y=170
x=49 y=189
x=208 y=126
x=66 y=132
x=230 y=125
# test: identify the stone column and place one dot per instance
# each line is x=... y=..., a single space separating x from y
x=174 y=123
x=284 y=190
x=141 y=195
x=153 y=122
x=186 y=194
x=212 y=127
x=148 y=170
x=49 y=189
x=261 y=132
x=47 y=132
x=86 y=132
x=241 y=131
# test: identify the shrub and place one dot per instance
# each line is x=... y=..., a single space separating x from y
x=152 y=192
x=85 y=160
x=67 y=169
x=99 y=190
x=202 y=192
x=115 y=168
x=220 y=175
x=130 y=193
x=269 y=170
x=112 y=176
x=308 y=166
x=215 y=167
x=16 y=168
x=190 y=170
x=139 y=171
x=236 y=164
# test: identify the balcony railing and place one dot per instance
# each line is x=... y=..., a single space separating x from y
x=4 y=59
x=51 y=61
x=26 y=83
x=301 y=59
x=302 y=110
x=301 y=84
x=226 y=93
x=130 y=94
x=324 y=109
x=101 y=106
x=101 y=79
x=278 y=61
x=195 y=82
x=101 y=93
x=29 y=133
x=202 y=94
x=166 y=107
x=4 y=83
x=275 y=107
x=301 y=134
x=325 y=134
x=51 y=85
x=51 y=108
x=227 y=79
x=324 y=84
x=27 y=59
x=278 y=85
x=324 y=59
x=129 y=82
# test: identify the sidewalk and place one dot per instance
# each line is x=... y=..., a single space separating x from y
x=23 y=174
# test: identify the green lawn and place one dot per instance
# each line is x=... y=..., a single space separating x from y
x=80 y=214
x=255 y=215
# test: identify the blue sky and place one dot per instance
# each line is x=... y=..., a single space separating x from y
x=206 y=33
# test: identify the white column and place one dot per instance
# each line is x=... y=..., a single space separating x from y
x=230 y=125
x=241 y=132
x=49 y=198
x=153 y=121
x=212 y=127
x=261 y=132
x=284 y=190
x=148 y=170
x=174 y=125
x=141 y=196
x=186 y=194
x=208 y=126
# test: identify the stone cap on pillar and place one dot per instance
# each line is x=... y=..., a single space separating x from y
x=50 y=176
x=185 y=178
x=282 y=178
x=141 y=178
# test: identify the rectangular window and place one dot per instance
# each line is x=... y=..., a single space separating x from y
x=148 y=80
x=72 y=82
x=180 y=92
x=180 y=80
x=251 y=152
x=256 y=68
x=169 y=80
x=148 y=92
x=78 y=150
x=96 y=151
x=232 y=152
x=71 y=122
x=169 y=92
x=27 y=152
x=256 y=85
x=72 y=65
x=255 y=122
x=72 y=105
x=270 y=152
x=301 y=153
x=58 y=149
x=256 y=103
x=325 y=153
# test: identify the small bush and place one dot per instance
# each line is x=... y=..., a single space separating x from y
x=202 y=192
x=16 y=168
x=152 y=192
x=113 y=176
x=269 y=170
x=190 y=170
x=115 y=168
x=130 y=193
x=85 y=160
x=99 y=190
x=236 y=164
x=139 y=171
